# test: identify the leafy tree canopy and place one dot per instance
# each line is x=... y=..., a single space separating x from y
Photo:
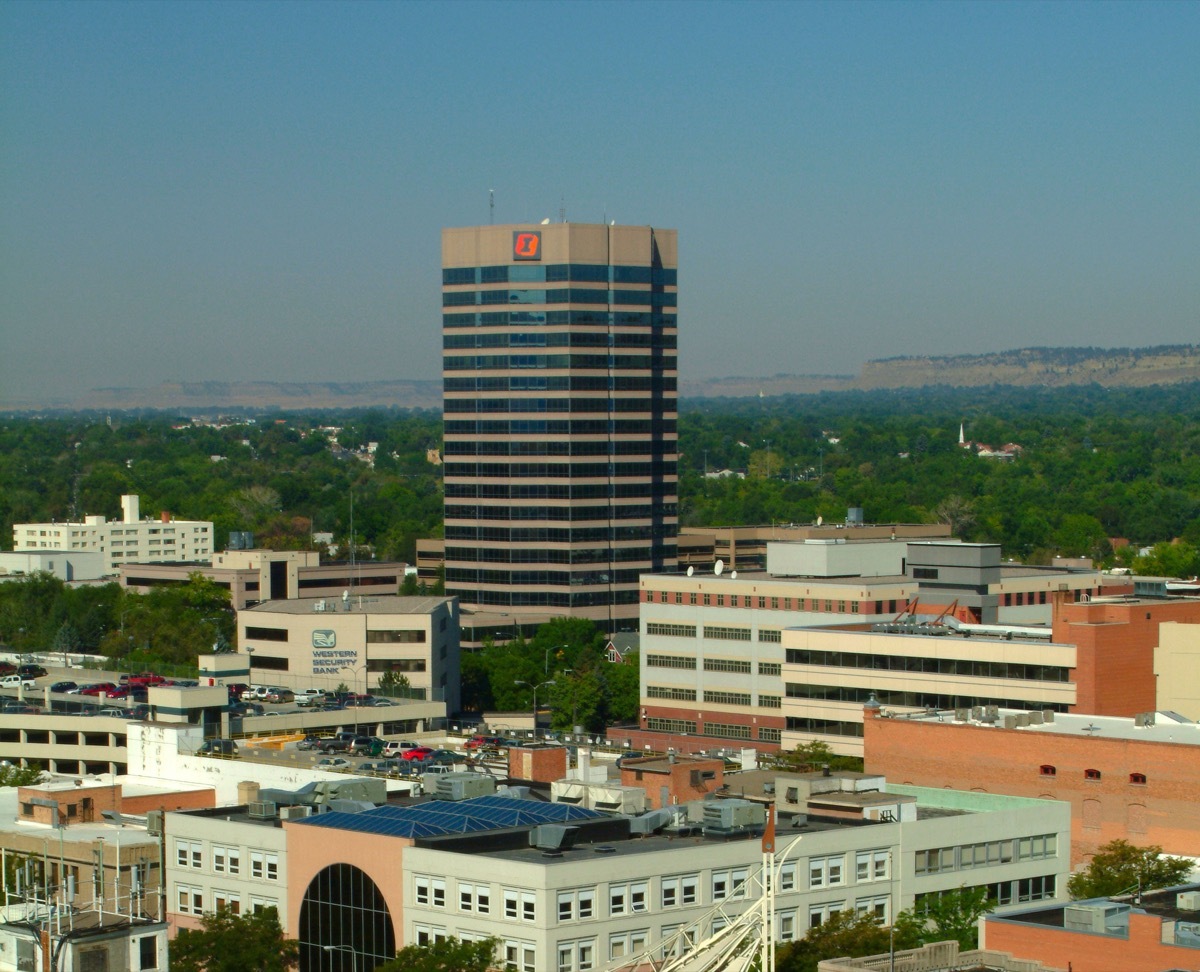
x=11 y=775
x=1121 y=868
x=226 y=942
x=444 y=955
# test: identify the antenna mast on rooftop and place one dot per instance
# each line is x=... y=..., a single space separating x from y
x=492 y=207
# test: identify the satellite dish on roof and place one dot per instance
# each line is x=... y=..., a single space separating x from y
x=546 y=221
x=690 y=571
x=733 y=575
x=720 y=566
x=820 y=520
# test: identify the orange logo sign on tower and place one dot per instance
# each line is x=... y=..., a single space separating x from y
x=527 y=245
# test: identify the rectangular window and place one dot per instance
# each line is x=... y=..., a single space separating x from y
x=147 y=953
x=826 y=872
x=228 y=901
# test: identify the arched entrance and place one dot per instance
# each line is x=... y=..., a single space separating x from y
x=345 y=925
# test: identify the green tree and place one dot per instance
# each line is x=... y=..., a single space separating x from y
x=844 y=935
x=950 y=915
x=816 y=755
x=1120 y=867
x=11 y=775
x=444 y=955
x=226 y=942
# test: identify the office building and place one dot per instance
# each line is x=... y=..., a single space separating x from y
x=564 y=888
x=131 y=539
x=319 y=643
x=1131 y=779
x=254 y=576
x=560 y=410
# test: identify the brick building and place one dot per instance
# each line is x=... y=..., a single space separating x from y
x=1123 y=778
x=1151 y=933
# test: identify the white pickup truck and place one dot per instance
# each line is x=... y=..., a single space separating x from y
x=17 y=681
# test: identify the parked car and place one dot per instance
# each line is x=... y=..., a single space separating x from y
x=237 y=690
x=145 y=678
x=31 y=671
x=395 y=747
x=366 y=746
x=17 y=681
x=120 y=692
x=333 y=763
x=63 y=686
x=245 y=709
x=7 y=668
x=217 y=747
x=310 y=696
x=112 y=710
x=378 y=702
x=260 y=692
x=355 y=699
x=278 y=694
x=487 y=744
x=97 y=687
x=417 y=752
x=447 y=757
x=337 y=744
x=310 y=742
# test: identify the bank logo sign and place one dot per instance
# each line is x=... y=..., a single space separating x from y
x=527 y=245
x=324 y=639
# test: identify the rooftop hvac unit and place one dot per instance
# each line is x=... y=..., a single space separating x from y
x=1048 y=715
x=1035 y=718
x=552 y=837
x=154 y=823
x=263 y=809
x=723 y=817
x=1010 y=722
x=960 y=715
x=462 y=786
x=1188 y=901
x=1097 y=918
x=1022 y=720
x=991 y=712
x=977 y=712
x=648 y=823
x=294 y=813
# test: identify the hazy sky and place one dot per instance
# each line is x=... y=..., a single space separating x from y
x=255 y=191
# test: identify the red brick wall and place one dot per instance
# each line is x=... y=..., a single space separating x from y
x=1115 y=658
x=539 y=765
x=1165 y=810
x=1143 y=951
x=186 y=800
x=677 y=778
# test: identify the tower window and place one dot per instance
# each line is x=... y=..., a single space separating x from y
x=1091 y=774
x=1047 y=770
x=1138 y=778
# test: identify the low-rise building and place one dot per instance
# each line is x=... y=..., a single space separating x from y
x=321 y=643
x=254 y=576
x=1129 y=779
x=1152 y=932
x=567 y=888
x=131 y=539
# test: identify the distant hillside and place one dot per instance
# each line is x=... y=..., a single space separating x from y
x=1043 y=367
x=1026 y=367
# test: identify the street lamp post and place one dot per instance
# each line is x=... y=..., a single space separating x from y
x=535 y=688
x=343 y=948
x=352 y=669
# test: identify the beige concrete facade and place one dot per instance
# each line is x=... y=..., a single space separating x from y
x=320 y=643
x=560 y=385
x=1176 y=666
x=255 y=576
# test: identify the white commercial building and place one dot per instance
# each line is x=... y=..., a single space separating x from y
x=132 y=539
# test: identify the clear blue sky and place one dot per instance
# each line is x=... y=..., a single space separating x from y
x=255 y=191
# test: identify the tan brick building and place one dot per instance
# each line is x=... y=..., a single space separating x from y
x=1123 y=780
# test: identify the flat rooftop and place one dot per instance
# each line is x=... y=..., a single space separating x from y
x=357 y=604
x=1165 y=727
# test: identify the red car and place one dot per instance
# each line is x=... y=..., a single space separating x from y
x=146 y=678
x=97 y=687
x=417 y=752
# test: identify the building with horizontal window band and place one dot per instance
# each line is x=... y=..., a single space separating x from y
x=325 y=642
x=789 y=655
x=560 y=408
x=567 y=888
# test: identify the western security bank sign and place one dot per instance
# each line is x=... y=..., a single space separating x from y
x=327 y=657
